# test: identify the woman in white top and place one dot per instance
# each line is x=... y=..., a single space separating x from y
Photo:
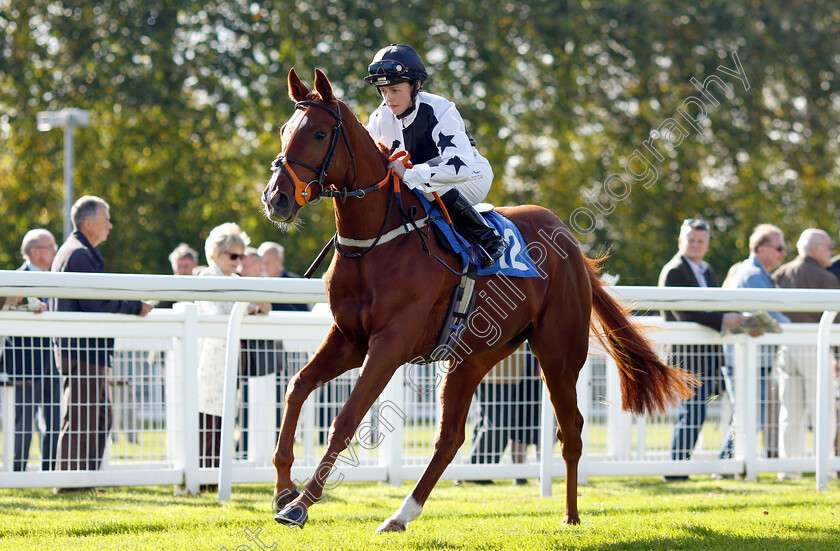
x=224 y=248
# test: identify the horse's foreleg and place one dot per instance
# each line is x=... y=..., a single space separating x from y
x=334 y=357
x=372 y=380
x=458 y=388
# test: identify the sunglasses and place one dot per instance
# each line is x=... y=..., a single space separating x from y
x=778 y=248
x=387 y=67
x=696 y=224
x=235 y=256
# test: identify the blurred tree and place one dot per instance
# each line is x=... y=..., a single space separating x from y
x=187 y=98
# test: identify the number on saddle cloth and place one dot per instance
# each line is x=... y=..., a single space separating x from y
x=515 y=262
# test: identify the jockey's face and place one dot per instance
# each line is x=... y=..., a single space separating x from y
x=397 y=97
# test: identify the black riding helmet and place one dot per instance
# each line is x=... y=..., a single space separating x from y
x=396 y=63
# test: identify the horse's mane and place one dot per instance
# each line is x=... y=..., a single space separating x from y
x=384 y=149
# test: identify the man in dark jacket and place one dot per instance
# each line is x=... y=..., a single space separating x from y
x=37 y=382
x=688 y=269
x=84 y=361
x=273 y=257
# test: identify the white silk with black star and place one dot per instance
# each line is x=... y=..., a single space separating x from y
x=435 y=135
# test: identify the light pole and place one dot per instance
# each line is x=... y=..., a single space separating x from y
x=68 y=119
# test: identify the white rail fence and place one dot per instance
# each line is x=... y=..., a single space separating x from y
x=154 y=380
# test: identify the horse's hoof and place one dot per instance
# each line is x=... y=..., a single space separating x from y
x=391 y=525
x=570 y=519
x=292 y=515
x=282 y=499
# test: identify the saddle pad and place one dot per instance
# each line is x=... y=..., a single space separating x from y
x=516 y=262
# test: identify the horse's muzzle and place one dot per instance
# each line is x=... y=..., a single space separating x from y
x=279 y=206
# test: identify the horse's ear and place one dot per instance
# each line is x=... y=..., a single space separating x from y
x=323 y=86
x=297 y=90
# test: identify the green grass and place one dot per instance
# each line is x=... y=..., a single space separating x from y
x=616 y=513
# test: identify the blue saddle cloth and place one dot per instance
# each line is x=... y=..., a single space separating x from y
x=516 y=261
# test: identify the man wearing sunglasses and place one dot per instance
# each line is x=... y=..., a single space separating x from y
x=430 y=128
x=767 y=252
x=688 y=269
x=798 y=364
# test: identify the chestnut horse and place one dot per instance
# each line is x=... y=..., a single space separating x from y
x=389 y=302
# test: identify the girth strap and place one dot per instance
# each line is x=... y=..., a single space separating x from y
x=388 y=236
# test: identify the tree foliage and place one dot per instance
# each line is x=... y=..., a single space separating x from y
x=186 y=100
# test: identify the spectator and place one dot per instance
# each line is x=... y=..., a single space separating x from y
x=834 y=268
x=273 y=258
x=688 y=269
x=526 y=419
x=251 y=265
x=184 y=260
x=84 y=361
x=37 y=382
x=257 y=357
x=508 y=411
x=224 y=248
x=797 y=365
x=767 y=252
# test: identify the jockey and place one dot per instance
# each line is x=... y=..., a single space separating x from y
x=432 y=131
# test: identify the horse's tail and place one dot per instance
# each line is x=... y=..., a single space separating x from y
x=647 y=384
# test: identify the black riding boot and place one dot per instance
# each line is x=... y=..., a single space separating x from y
x=468 y=219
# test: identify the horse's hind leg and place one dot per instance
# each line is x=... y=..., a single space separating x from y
x=334 y=357
x=458 y=388
x=560 y=361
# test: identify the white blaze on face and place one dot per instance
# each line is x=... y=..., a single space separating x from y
x=298 y=121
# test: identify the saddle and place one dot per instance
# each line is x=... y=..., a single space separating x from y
x=516 y=262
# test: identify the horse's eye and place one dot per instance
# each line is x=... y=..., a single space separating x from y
x=320 y=135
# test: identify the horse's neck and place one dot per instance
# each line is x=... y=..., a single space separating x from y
x=363 y=218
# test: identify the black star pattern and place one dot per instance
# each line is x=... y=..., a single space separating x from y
x=457 y=163
x=445 y=141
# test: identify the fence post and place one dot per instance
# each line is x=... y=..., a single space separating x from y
x=620 y=422
x=822 y=438
x=745 y=375
x=184 y=381
x=392 y=450
x=229 y=400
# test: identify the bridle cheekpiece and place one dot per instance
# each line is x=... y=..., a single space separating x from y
x=302 y=190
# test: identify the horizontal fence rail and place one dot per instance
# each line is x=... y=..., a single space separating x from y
x=153 y=381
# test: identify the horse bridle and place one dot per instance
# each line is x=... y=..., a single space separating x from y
x=302 y=191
